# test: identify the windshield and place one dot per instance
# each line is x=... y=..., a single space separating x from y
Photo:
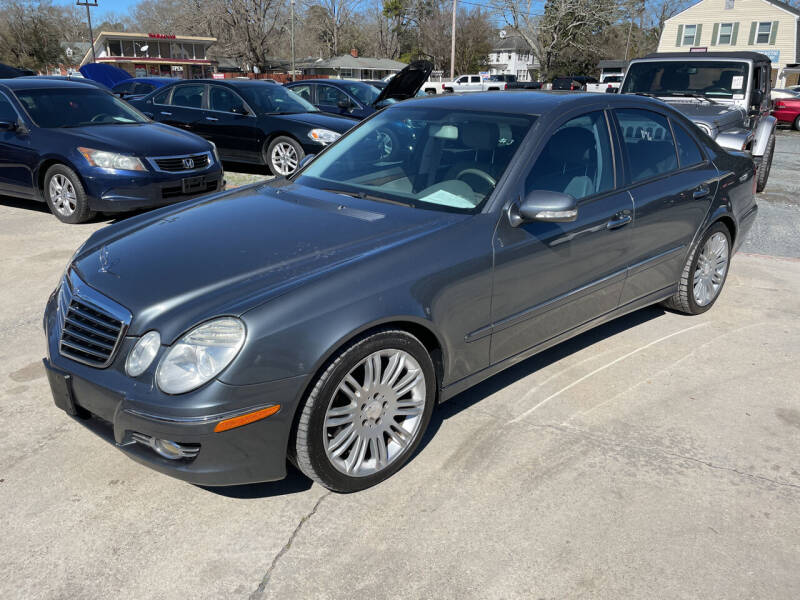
x=717 y=79
x=428 y=158
x=270 y=99
x=72 y=107
x=364 y=92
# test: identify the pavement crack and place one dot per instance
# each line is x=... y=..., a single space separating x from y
x=259 y=591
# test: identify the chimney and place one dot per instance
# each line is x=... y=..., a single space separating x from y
x=354 y=53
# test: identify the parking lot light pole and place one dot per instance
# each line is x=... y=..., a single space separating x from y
x=89 y=4
x=453 y=45
x=292 y=29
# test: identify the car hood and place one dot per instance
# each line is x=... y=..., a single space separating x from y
x=318 y=119
x=144 y=139
x=718 y=115
x=229 y=253
x=406 y=83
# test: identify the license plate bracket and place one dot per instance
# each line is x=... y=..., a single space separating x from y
x=191 y=185
x=61 y=388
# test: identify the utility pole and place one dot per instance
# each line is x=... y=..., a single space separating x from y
x=292 y=2
x=89 y=4
x=453 y=44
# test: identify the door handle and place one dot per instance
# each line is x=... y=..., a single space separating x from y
x=169 y=114
x=212 y=119
x=701 y=192
x=619 y=220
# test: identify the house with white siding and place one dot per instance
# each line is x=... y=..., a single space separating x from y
x=512 y=56
x=766 y=26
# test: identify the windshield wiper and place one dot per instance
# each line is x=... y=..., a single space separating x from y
x=365 y=196
x=693 y=95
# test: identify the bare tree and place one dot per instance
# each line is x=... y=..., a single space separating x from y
x=332 y=18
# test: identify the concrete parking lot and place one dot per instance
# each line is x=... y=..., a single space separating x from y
x=655 y=457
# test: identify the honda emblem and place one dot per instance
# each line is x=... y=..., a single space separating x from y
x=188 y=163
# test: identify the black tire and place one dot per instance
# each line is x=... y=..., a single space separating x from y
x=72 y=210
x=796 y=124
x=683 y=300
x=765 y=165
x=309 y=445
x=277 y=167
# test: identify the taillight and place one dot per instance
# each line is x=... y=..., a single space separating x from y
x=505 y=86
x=571 y=88
x=779 y=104
x=442 y=86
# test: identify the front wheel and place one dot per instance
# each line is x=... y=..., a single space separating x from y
x=704 y=273
x=765 y=165
x=65 y=195
x=283 y=155
x=366 y=414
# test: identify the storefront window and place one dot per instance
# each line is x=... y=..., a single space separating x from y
x=114 y=48
x=199 y=51
x=139 y=48
x=127 y=48
x=163 y=48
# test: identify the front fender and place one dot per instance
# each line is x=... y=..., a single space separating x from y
x=737 y=139
x=764 y=130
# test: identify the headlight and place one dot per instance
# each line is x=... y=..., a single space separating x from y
x=704 y=128
x=111 y=160
x=324 y=136
x=143 y=353
x=200 y=355
x=214 y=148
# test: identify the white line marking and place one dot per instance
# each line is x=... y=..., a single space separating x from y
x=604 y=367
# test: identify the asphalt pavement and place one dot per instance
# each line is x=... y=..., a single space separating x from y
x=657 y=456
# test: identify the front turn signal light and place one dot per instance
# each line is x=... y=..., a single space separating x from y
x=257 y=415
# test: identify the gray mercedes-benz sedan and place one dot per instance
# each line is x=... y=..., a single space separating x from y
x=320 y=318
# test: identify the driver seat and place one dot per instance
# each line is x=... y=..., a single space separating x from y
x=567 y=164
x=481 y=139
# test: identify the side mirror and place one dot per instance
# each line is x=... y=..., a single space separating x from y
x=756 y=97
x=305 y=160
x=344 y=104
x=8 y=125
x=544 y=205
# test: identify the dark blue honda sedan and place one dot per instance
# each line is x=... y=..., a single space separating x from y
x=82 y=150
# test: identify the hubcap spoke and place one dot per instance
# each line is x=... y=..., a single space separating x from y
x=712 y=265
x=375 y=413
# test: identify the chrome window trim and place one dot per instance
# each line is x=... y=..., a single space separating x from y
x=152 y=160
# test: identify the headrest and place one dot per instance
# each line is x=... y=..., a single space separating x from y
x=572 y=145
x=480 y=135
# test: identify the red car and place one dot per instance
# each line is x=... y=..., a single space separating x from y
x=787 y=110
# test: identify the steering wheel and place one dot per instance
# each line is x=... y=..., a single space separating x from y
x=96 y=118
x=478 y=173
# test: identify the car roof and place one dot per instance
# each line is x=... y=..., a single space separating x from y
x=334 y=82
x=164 y=80
x=529 y=101
x=742 y=55
x=37 y=83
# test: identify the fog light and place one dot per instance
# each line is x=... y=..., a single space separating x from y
x=168 y=449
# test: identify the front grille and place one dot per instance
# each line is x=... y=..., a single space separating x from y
x=90 y=333
x=175 y=164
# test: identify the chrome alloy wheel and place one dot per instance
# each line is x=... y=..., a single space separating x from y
x=375 y=413
x=62 y=195
x=712 y=264
x=284 y=158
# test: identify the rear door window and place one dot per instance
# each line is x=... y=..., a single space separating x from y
x=331 y=95
x=223 y=100
x=688 y=152
x=189 y=96
x=648 y=143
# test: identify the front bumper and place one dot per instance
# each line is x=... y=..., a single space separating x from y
x=148 y=189
x=116 y=407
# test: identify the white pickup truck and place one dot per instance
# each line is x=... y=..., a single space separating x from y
x=611 y=82
x=464 y=83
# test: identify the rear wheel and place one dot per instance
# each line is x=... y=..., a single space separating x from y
x=765 y=165
x=283 y=155
x=366 y=414
x=796 y=123
x=704 y=273
x=65 y=195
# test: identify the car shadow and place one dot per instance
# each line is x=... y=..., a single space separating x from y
x=296 y=482
x=41 y=207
